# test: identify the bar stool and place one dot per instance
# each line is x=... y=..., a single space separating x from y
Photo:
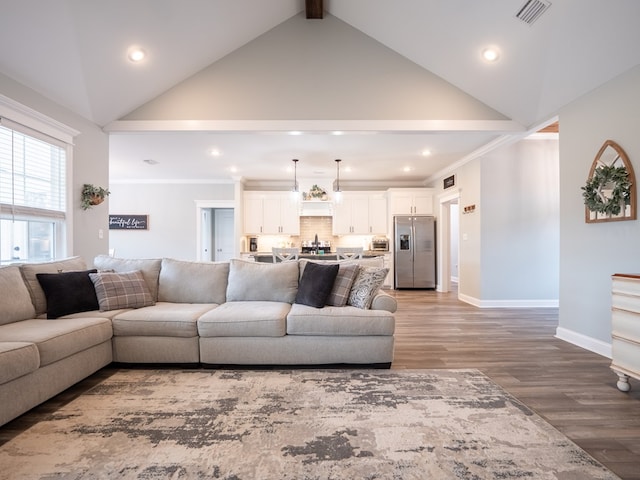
x=285 y=254
x=349 y=253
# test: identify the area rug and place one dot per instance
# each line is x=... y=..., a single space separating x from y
x=295 y=424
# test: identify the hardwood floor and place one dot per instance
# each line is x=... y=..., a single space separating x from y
x=571 y=388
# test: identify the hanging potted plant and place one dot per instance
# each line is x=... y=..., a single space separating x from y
x=92 y=195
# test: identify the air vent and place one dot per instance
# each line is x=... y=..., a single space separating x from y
x=532 y=10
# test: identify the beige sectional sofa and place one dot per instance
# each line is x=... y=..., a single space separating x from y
x=167 y=311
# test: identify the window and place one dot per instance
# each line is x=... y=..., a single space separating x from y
x=32 y=195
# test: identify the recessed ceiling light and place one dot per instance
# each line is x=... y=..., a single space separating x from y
x=150 y=161
x=215 y=152
x=491 y=54
x=233 y=169
x=426 y=152
x=337 y=132
x=407 y=169
x=136 y=54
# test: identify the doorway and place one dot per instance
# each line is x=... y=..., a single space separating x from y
x=216 y=230
x=448 y=240
x=217 y=234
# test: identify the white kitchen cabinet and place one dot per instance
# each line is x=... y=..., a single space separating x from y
x=378 y=214
x=411 y=201
x=360 y=214
x=625 y=328
x=271 y=213
x=253 y=217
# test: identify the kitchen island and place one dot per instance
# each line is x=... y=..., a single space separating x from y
x=265 y=257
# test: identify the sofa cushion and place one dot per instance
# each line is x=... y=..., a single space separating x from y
x=15 y=300
x=150 y=268
x=61 y=338
x=17 y=359
x=366 y=285
x=97 y=313
x=161 y=320
x=316 y=284
x=304 y=320
x=29 y=271
x=245 y=319
x=269 y=282
x=193 y=282
x=121 y=290
x=68 y=292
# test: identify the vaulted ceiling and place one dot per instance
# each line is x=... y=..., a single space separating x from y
x=74 y=52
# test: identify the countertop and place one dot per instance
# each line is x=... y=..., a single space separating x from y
x=267 y=257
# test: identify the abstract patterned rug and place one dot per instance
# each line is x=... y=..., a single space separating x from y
x=295 y=424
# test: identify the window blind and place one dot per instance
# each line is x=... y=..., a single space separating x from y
x=32 y=175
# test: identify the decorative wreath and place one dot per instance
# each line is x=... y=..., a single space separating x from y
x=607 y=176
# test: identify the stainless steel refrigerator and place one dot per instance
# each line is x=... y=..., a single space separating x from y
x=414 y=252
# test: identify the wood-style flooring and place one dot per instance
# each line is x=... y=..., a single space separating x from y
x=571 y=388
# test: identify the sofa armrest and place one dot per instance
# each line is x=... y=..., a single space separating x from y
x=384 y=301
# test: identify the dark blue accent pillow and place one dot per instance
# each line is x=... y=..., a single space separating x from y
x=316 y=284
x=68 y=292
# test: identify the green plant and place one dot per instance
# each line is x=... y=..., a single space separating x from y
x=611 y=178
x=92 y=195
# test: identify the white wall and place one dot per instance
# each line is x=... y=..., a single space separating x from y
x=470 y=268
x=90 y=165
x=520 y=223
x=591 y=253
x=172 y=214
x=509 y=245
x=454 y=244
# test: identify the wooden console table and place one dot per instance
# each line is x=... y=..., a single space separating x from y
x=625 y=328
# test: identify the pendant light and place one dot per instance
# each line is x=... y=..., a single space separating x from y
x=336 y=184
x=294 y=190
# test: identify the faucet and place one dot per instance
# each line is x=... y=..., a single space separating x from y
x=315 y=244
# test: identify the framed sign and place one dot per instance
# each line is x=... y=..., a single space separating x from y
x=449 y=182
x=128 y=222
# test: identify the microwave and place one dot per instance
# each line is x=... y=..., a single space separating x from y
x=380 y=244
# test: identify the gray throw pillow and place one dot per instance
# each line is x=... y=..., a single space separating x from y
x=316 y=284
x=366 y=285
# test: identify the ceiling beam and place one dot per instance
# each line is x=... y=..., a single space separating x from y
x=314 y=9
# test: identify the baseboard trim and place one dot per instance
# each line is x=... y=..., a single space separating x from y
x=508 y=303
x=588 y=343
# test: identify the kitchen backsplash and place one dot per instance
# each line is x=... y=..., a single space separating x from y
x=322 y=226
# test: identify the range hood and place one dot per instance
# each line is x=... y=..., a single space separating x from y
x=316 y=209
